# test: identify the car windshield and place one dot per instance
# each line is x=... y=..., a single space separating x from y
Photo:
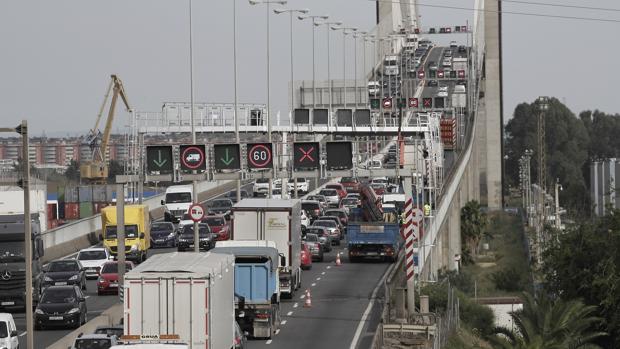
x=333 y=186
x=131 y=232
x=312 y=238
x=351 y=201
x=329 y=224
x=92 y=255
x=215 y=221
x=221 y=203
x=60 y=266
x=64 y=295
x=316 y=197
x=189 y=230
x=262 y=180
x=175 y=198
x=309 y=205
x=335 y=213
x=329 y=192
x=378 y=186
x=316 y=231
x=348 y=180
x=4 y=331
x=93 y=343
x=161 y=227
x=112 y=268
x=391 y=62
x=12 y=251
x=110 y=331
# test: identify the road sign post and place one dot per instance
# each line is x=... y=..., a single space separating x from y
x=196 y=213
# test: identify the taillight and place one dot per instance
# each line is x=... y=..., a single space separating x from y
x=237 y=341
x=262 y=316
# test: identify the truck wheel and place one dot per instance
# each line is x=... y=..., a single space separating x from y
x=353 y=259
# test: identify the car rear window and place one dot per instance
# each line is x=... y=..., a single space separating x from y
x=92 y=255
x=309 y=205
x=93 y=343
x=325 y=223
x=112 y=268
x=329 y=192
x=60 y=266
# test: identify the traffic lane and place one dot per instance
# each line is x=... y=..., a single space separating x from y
x=339 y=298
x=94 y=304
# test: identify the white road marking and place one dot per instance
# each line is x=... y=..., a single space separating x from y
x=329 y=267
x=289 y=314
x=313 y=284
x=268 y=342
x=318 y=279
x=323 y=273
x=87 y=297
x=302 y=296
x=360 y=325
x=283 y=323
x=22 y=334
x=277 y=331
x=295 y=305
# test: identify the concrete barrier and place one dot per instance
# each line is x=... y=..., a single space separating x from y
x=111 y=316
x=83 y=233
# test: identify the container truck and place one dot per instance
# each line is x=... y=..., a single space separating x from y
x=377 y=239
x=189 y=295
x=257 y=307
x=13 y=261
x=137 y=231
x=278 y=221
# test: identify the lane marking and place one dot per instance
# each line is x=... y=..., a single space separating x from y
x=318 y=279
x=371 y=303
x=268 y=342
x=277 y=331
x=87 y=297
x=282 y=323
x=323 y=273
x=22 y=334
x=295 y=305
x=289 y=314
x=329 y=267
x=313 y=284
x=302 y=296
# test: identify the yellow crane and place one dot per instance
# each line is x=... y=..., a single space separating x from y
x=96 y=169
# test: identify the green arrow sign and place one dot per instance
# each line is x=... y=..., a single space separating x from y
x=226 y=157
x=160 y=162
x=159 y=159
x=227 y=160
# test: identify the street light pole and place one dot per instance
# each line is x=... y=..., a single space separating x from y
x=314 y=24
x=344 y=61
x=235 y=87
x=192 y=122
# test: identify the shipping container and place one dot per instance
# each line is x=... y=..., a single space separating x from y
x=52 y=209
x=86 y=193
x=72 y=210
x=86 y=209
x=52 y=223
x=72 y=194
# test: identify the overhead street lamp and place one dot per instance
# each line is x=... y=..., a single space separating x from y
x=355 y=75
x=314 y=24
x=329 y=81
x=345 y=31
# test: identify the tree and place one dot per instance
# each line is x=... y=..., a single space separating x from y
x=473 y=224
x=549 y=324
x=72 y=172
x=115 y=168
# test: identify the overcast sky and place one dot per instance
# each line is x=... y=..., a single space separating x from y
x=57 y=55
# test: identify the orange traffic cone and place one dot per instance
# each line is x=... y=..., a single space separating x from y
x=308 y=302
x=338 y=263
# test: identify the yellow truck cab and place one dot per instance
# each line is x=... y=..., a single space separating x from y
x=137 y=231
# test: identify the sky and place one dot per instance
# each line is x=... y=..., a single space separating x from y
x=57 y=55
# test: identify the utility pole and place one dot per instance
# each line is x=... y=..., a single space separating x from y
x=542 y=103
x=23 y=131
x=558 y=187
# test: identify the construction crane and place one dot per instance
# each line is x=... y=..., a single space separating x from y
x=96 y=169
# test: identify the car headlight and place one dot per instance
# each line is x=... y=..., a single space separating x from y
x=171 y=236
x=47 y=278
x=39 y=311
x=134 y=248
x=74 y=277
x=73 y=311
x=100 y=280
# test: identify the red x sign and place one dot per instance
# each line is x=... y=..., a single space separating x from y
x=306 y=154
x=427 y=102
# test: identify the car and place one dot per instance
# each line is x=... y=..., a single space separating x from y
x=240 y=341
x=305 y=220
x=442 y=91
x=303 y=185
x=324 y=238
x=332 y=229
x=320 y=198
x=431 y=83
x=382 y=180
x=306 y=256
x=353 y=195
x=431 y=30
x=232 y=195
x=372 y=164
x=9 y=337
x=94 y=340
x=107 y=283
x=350 y=184
x=462 y=49
x=315 y=249
x=63 y=272
x=446 y=72
x=260 y=187
x=349 y=203
x=432 y=65
x=220 y=207
x=162 y=235
x=312 y=207
x=338 y=222
x=92 y=259
x=379 y=188
x=112 y=330
x=447 y=53
x=61 y=306
x=331 y=195
x=219 y=226
x=391 y=163
x=453 y=44
x=342 y=191
x=374 y=87
x=342 y=214
x=447 y=62
x=186 y=238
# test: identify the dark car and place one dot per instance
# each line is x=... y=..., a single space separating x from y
x=324 y=239
x=162 y=235
x=462 y=49
x=432 y=31
x=313 y=208
x=219 y=226
x=64 y=272
x=336 y=220
x=315 y=247
x=232 y=195
x=240 y=340
x=220 y=206
x=186 y=238
x=340 y=213
x=110 y=330
x=320 y=198
x=432 y=83
x=61 y=306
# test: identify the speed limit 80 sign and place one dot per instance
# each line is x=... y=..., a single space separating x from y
x=260 y=155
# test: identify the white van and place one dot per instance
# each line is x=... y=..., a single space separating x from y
x=8 y=332
x=374 y=88
x=178 y=199
x=390 y=65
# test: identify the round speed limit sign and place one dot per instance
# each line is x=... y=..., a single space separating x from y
x=260 y=156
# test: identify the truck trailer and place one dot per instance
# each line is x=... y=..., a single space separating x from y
x=273 y=220
x=257 y=291
x=378 y=239
x=190 y=295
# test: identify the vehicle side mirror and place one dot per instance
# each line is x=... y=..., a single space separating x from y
x=163 y=202
x=282 y=260
x=14 y=333
x=82 y=299
x=45 y=269
x=142 y=235
x=100 y=237
x=241 y=303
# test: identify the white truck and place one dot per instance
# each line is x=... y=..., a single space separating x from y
x=411 y=43
x=278 y=221
x=12 y=202
x=178 y=200
x=391 y=66
x=189 y=295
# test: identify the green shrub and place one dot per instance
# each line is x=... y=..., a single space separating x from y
x=507 y=279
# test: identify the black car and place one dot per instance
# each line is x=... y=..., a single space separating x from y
x=186 y=238
x=232 y=195
x=313 y=208
x=220 y=206
x=432 y=83
x=64 y=272
x=462 y=49
x=61 y=306
x=162 y=235
x=240 y=340
x=432 y=31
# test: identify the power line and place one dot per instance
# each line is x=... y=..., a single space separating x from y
x=563 y=5
x=507 y=12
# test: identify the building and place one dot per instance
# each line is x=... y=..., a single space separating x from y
x=603 y=189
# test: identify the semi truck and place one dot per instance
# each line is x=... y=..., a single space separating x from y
x=376 y=239
x=13 y=261
x=257 y=285
x=137 y=231
x=189 y=295
x=278 y=221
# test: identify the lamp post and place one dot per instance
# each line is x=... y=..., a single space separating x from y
x=193 y=127
x=504 y=183
x=268 y=3
x=329 y=81
x=355 y=36
x=234 y=2
x=344 y=60
x=314 y=24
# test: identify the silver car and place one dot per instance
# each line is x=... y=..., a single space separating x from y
x=331 y=195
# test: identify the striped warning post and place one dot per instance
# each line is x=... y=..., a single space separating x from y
x=409 y=238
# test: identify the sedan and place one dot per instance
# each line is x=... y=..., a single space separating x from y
x=324 y=238
x=306 y=257
x=332 y=228
x=432 y=65
x=314 y=247
x=351 y=184
x=61 y=306
x=107 y=283
x=64 y=272
x=220 y=207
x=332 y=196
x=162 y=235
x=219 y=226
x=186 y=238
x=320 y=198
x=340 y=213
x=92 y=259
x=432 y=83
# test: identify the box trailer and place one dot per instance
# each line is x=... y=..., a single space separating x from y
x=278 y=221
x=186 y=294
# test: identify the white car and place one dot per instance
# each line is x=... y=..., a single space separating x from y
x=443 y=91
x=447 y=62
x=380 y=180
x=8 y=332
x=332 y=197
x=260 y=187
x=374 y=88
x=92 y=259
x=302 y=185
x=305 y=220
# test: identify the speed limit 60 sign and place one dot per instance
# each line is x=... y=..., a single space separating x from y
x=260 y=155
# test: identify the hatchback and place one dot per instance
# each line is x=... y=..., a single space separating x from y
x=107 y=283
x=61 y=306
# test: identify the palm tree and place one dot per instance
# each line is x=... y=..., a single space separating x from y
x=547 y=324
x=473 y=224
